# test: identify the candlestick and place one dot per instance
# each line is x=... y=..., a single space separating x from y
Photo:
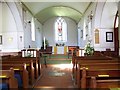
x=44 y=43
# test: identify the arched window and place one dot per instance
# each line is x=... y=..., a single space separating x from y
x=60 y=30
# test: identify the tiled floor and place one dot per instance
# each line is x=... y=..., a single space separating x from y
x=55 y=76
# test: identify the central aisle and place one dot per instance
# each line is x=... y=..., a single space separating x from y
x=56 y=76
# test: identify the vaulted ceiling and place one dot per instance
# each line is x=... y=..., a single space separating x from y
x=46 y=10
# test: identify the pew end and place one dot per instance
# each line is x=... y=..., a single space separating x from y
x=7 y=76
x=104 y=82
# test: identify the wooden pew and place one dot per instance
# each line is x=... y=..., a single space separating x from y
x=83 y=62
x=5 y=57
x=36 y=63
x=18 y=69
x=82 y=59
x=89 y=70
x=77 y=58
x=35 y=56
x=7 y=76
x=104 y=83
x=29 y=65
x=109 y=53
x=80 y=54
x=88 y=58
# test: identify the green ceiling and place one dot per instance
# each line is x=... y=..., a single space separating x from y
x=50 y=12
x=46 y=10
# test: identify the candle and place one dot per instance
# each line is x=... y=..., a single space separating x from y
x=44 y=43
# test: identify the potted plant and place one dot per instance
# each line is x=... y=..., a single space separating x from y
x=89 y=50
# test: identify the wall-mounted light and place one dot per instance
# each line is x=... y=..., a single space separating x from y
x=21 y=38
x=10 y=39
x=91 y=15
x=29 y=21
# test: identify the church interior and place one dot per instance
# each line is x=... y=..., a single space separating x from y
x=59 y=44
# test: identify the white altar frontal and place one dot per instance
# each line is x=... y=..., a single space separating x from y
x=60 y=49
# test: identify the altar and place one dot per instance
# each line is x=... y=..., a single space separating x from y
x=60 y=49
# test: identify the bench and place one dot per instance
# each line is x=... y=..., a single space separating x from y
x=19 y=69
x=91 y=62
x=7 y=79
x=104 y=83
x=36 y=63
x=86 y=71
x=29 y=67
x=35 y=56
x=87 y=59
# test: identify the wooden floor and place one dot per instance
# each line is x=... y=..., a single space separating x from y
x=55 y=76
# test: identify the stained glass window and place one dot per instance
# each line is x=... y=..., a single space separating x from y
x=60 y=30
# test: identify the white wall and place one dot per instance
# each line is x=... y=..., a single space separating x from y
x=104 y=21
x=12 y=28
x=9 y=30
x=15 y=36
x=38 y=34
x=72 y=32
x=83 y=41
x=48 y=31
x=27 y=33
x=0 y=23
x=0 y=18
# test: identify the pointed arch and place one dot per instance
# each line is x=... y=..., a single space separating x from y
x=60 y=30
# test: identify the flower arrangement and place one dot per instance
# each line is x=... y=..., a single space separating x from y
x=60 y=44
x=28 y=55
x=89 y=50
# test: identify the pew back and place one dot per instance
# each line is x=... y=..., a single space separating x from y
x=7 y=76
x=96 y=69
x=29 y=65
x=18 y=69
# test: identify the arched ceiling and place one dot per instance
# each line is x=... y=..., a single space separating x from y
x=49 y=12
x=46 y=10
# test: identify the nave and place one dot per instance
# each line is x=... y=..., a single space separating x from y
x=59 y=71
x=34 y=35
x=55 y=76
